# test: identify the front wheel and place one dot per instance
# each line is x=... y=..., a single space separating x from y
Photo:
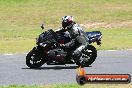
x=34 y=59
x=88 y=56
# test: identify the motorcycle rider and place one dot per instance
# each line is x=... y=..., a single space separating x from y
x=78 y=37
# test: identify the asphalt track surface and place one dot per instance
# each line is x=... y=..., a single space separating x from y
x=13 y=69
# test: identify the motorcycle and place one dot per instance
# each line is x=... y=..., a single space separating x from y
x=48 y=52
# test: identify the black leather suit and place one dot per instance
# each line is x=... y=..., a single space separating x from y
x=78 y=39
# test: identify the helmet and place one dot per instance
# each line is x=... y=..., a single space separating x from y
x=66 y=21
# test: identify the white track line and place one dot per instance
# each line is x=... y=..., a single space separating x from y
x=111 y=50
x=8 y=54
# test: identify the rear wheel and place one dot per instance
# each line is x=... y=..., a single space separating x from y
x=34 y=59
x=88 y=56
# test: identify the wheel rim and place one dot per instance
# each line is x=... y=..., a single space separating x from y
x=86 y=55
x=34 y=60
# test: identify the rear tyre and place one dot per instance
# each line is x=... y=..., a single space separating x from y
x=34 y=59
x=88 y=56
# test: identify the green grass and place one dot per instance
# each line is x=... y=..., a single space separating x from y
x=73 y=86
x=20 y=21
x=25 y=12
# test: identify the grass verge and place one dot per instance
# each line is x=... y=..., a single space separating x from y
x=73 y=86
x=20 y=19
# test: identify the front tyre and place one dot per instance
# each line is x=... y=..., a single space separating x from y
x=34 y=59
x=88 y=56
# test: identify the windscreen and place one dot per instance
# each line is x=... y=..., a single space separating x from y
x=47 y=37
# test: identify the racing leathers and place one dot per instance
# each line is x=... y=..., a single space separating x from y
x=78 y=39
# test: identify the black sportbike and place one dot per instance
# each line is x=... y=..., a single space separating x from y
x=48 y=52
